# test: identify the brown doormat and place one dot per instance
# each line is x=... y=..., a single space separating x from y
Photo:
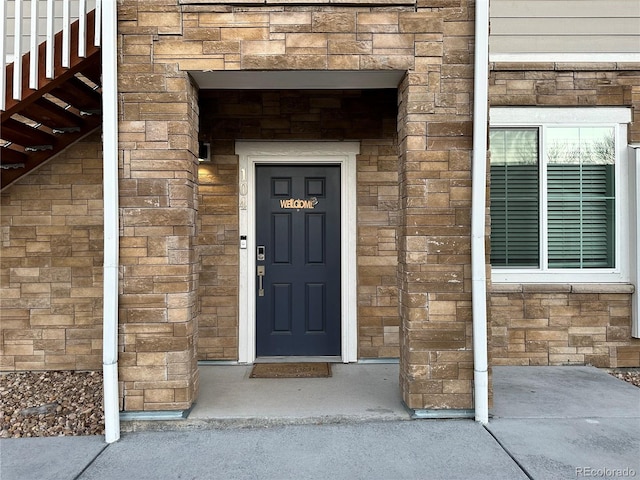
x=291 y=370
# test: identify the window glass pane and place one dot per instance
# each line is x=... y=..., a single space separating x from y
x=580 y=188
x=580 y=145
x=514 y=197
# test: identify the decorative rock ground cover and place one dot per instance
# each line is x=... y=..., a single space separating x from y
x=46 y=404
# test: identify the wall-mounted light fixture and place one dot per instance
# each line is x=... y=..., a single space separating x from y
x=204 y=152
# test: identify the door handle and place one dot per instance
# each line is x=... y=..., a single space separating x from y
x=260 y=280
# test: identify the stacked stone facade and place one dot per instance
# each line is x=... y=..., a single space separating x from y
x=378 y=319
x=542 y=324
x=158 y=208
x=179 y=262
x=568 y=85
x=564 y=324
x=51 y=264
x=434 y=123
x=178 y=258
x=217 y=249
x=434 y=46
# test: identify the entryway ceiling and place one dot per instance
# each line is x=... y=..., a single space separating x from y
x=298 y=80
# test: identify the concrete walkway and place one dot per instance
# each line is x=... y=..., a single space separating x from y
x=547 y=423
x=567 y=422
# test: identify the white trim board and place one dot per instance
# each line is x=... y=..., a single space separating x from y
x=335 y=153
x=553 y=57
x=558 y=115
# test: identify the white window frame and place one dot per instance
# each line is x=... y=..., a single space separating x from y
x=542 y=118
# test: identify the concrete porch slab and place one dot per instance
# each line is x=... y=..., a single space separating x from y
x=354 y=392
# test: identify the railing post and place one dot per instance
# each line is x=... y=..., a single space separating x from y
x=33 y=47
x=50 y=39
x=17 y=48
x=97 y=36
x=82 y=29
x=3 y=55
x=66 y=34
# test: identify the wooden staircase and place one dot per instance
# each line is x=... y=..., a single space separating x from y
x=62 y=110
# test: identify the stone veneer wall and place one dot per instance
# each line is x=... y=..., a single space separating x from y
x=217 y=248
x=367 y=116
x=377 y=250
x=568 y=85
x=565 y=324
x=51 y=264
x=541 y=324
x=158 y=108
x=434 y=274
x=431 y=42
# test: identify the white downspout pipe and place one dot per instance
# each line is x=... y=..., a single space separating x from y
x=634 y=222
x=111 y=223
x=478 y=212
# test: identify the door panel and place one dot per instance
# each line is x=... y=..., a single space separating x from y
x=281 y=237
x=282 y=307
x=298 y=222
x=316 y=320
x=314 y=237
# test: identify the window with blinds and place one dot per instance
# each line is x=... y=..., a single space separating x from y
x=514 y=197
x=555 y=210
x=580 y=197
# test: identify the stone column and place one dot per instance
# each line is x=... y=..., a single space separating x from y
x=435 y=128
x=158 y=207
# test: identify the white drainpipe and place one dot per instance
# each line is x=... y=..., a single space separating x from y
x=111 y=224
x=634 y=212
x=478 y=208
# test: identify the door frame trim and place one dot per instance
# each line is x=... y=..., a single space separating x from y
x=316 y=153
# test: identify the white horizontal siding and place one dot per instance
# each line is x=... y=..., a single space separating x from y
x=568 y=30
x=564 y=8
x=523 y=44
x=614 y=26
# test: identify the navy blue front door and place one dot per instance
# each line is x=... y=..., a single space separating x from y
x=298 y=260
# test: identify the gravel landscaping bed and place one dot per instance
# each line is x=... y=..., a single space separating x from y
x=631 y=375
x=48 y=404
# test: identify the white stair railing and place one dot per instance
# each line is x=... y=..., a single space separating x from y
x=25 y=24
x=17 y=38
x=3 y=53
